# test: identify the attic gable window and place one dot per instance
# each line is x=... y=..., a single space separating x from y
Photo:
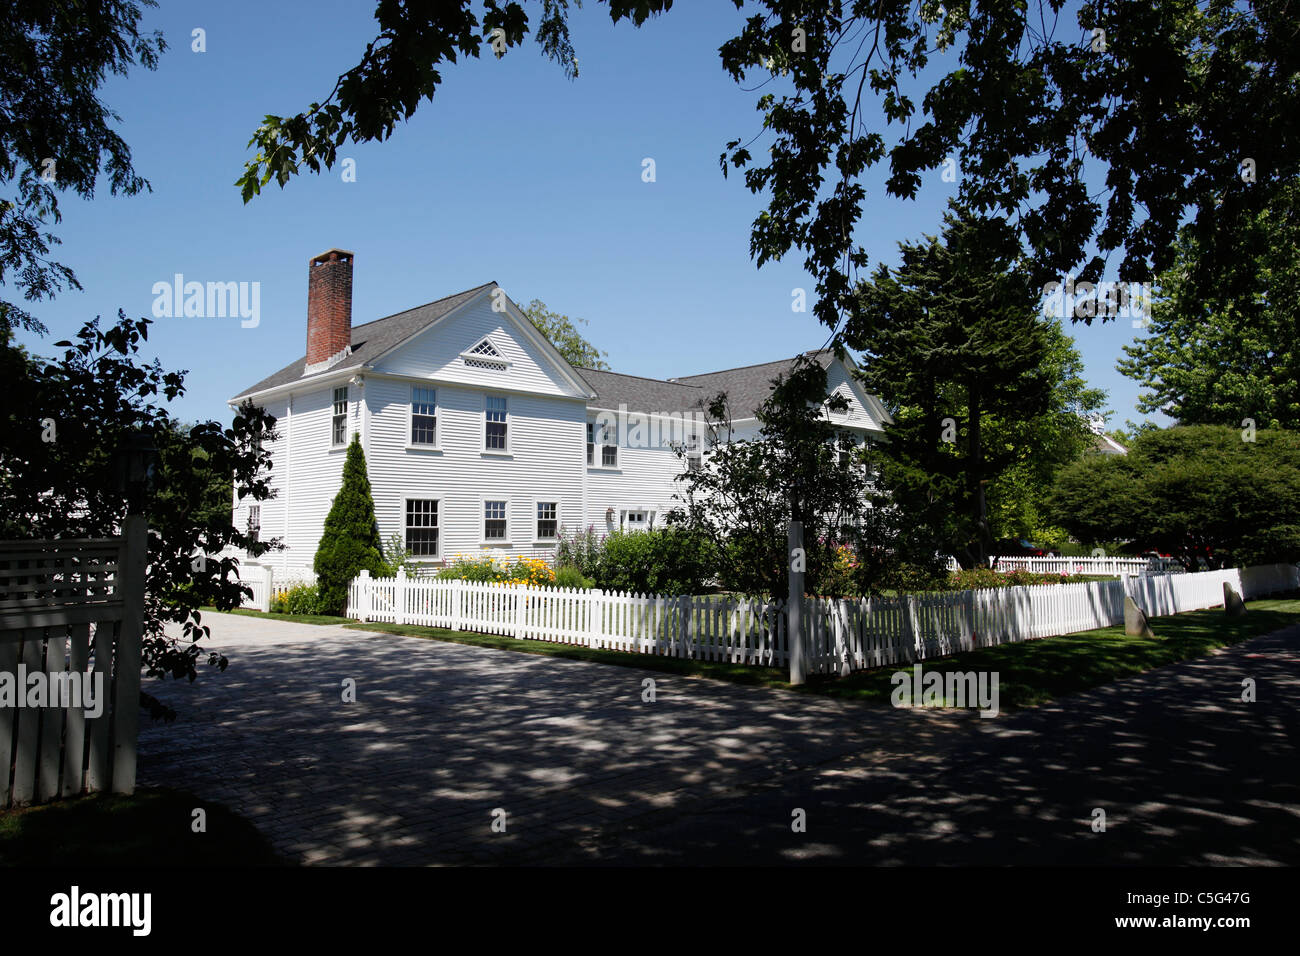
x=485 y=355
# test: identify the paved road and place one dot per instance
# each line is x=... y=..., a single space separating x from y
x=441 y=735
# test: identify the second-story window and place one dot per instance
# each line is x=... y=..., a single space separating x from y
x=339 y=423
x=494 y=436
x=424 y=416
x=591 y=443
x=608 y=450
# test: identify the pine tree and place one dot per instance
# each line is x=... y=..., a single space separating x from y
x=955 y=344
x=350 y=542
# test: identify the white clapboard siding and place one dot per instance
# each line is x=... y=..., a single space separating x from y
x=840 y=635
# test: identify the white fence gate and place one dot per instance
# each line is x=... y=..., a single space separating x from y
x=73 y=611
x=839 y=635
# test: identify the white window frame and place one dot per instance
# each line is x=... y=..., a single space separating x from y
x=411 y=443
x=495 y=451
x=600 y=432
x=335 y=415
x=536 y=519
x=253 y=526
x=505 y=542
x=625 y=523
x=437 y=500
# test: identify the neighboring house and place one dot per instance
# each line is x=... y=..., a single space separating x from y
x=477 y=433
x=1103 y=444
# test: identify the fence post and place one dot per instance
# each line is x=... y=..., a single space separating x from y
x=364 y=598
x=399 y=597
x=794 y=604
x=126 y=675
x=594 y=616
x=520 y=596
x=457 y=603
x=268 y=581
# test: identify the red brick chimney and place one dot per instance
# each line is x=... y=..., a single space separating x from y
x=329 y=305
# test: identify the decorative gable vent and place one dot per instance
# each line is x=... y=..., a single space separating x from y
x=485 y=355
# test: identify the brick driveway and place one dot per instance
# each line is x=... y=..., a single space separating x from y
x=443 y=734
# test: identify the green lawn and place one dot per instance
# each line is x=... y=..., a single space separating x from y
x=295 y=618
x=1030 y=673
x=1034 y=672
x=152 y=827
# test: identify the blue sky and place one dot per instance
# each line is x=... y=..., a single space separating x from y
x=512 y=174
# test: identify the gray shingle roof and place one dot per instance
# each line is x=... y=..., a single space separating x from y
x=374 y=338
x=640 y=394
x=748 y=387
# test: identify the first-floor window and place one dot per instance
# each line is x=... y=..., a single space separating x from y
x=254 y=525
x=494 y=521
x=547 y=520
x=636 y=519
x=422 y=527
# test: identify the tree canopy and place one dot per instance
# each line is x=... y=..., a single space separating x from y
x=1095 y=129
x=57 y=134
x=1203 y=493
x=1222 y=355
x=986 y=394
x=562 y=332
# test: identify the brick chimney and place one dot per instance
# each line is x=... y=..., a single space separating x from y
x=329 y=305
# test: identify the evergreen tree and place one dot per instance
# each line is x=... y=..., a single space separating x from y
x=954 y=342
x=350 y=541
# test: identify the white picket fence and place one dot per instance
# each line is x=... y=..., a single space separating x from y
x=266 y=584
x=840 y=635
x=1081 y=565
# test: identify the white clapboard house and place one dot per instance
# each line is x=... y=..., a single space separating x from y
x=477 y=433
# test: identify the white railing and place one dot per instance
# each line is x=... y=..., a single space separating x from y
x=841 y=635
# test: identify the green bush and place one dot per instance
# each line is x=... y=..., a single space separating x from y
x=668 y=560
x=975 y=578
x=300 y=599
x=350 y=542
x=571 y=577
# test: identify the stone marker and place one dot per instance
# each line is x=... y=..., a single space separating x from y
x=1135 y=620
x=1233 y=605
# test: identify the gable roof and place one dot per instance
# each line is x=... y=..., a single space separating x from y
x=373 y=339
x=746 y=387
